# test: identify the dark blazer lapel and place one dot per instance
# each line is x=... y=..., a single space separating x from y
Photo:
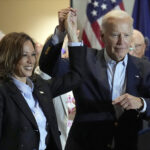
x=44 y=102
x=48 y=109
x=101 y=73
x=16 y=96
x=133 y=76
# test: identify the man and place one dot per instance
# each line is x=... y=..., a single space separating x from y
x=114 y=82
x=138 y=45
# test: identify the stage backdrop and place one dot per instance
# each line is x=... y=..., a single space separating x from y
x=91 y=11
x=81 y=5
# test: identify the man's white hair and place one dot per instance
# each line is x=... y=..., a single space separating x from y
x=115 y=14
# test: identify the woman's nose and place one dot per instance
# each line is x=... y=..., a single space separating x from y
x=31 y=59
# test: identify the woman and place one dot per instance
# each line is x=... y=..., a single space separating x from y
x=27 y=116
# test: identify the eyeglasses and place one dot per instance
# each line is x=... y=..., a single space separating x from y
x=136 y=46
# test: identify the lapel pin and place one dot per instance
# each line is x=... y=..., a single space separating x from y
x=137 y=76
x=41 y=92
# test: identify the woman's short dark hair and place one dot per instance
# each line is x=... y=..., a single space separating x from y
x=11 y=50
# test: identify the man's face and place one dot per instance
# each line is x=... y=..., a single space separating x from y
x=138 y=45
x=117 y=38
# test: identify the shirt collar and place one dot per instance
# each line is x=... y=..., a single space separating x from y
x=24 y=88
x=110 y=61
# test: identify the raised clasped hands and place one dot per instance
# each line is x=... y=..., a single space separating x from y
x=68 y=22
x=71 y=25
x=61 y=18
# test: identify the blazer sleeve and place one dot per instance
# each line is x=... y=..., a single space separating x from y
x=145 y=85
x=72 y=79
x=61 y=67
x=50 y=57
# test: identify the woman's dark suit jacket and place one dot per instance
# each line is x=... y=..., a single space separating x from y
x=18 y=128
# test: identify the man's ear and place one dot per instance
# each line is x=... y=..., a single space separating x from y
x=102 y=37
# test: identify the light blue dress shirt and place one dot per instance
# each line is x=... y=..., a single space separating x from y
x=116 y=73
x=26 y=91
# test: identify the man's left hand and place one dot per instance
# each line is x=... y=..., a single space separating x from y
x=128 y=102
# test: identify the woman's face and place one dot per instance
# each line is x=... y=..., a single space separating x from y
x=27 y=63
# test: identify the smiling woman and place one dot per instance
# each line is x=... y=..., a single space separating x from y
x=13 y=53
x=27 y=115
x=27 y=62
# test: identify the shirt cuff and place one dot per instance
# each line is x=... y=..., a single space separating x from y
x=144 y=106
x=58 y=36
x=72 y=44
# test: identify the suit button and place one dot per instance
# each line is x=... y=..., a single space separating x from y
x=116 y=124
